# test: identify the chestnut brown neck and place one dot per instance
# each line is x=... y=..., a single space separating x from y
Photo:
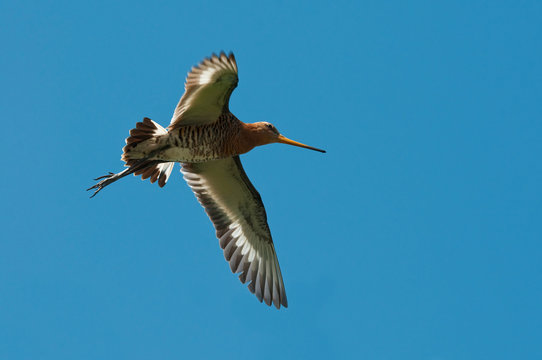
x=250 y=136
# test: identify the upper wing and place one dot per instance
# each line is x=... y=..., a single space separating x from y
x=208 y=88
x=236 y=210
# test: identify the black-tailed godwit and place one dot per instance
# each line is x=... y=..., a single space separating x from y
x=207 y=139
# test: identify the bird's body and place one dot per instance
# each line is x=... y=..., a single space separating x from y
x=192 y=143
x=226 y=137
x=207 y=139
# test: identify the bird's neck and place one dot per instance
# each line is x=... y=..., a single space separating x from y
x=249 y=137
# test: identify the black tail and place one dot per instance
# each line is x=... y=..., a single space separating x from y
x=138 y=167
x=140 y=146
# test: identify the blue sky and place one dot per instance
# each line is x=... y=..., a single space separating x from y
x=417 y=236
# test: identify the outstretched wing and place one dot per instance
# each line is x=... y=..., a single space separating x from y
x=237 y=212
x=208 y=88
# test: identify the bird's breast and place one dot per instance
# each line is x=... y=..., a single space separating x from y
x=201 y=143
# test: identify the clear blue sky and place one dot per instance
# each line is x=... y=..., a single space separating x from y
x=417 y=236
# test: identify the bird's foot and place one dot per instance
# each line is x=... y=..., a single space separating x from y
x=105 y=180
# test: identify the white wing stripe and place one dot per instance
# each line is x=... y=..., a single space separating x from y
x=241 y=241
x=208 y=88
x=235 y=208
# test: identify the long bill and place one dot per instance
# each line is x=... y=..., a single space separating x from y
x=285 y=140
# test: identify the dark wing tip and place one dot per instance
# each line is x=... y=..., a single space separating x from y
x=248 y=248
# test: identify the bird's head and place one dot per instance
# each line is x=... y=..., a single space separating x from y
x=266 y=133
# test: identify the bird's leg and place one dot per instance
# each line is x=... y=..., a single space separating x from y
x=112 y=177
x=107 y=179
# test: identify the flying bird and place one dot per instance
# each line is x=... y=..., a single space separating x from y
x=207 y=139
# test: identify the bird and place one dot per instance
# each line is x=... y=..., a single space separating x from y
x=207 y=139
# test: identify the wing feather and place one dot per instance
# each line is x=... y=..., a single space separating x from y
x=237 y=212
x=207 y=93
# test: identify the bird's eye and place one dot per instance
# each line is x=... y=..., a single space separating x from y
x=269 y=126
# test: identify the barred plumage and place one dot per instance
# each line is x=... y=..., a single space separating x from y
x=202 y=143
x=207 y=139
